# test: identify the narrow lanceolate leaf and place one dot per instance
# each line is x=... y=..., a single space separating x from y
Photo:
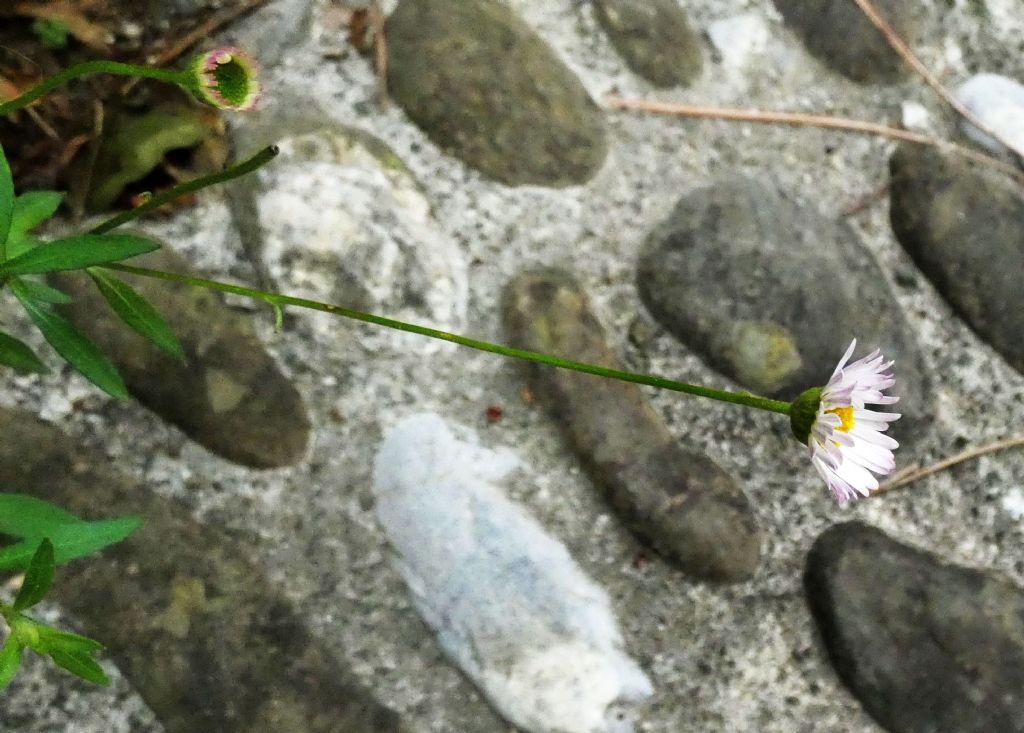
x=74 y=253
x=6 y=198
x=43 y=293
x=81 y=665
x=70 y=541
x=14 y=353
x=137 y=312
x=31 y=209
x=26 y=516
x=38 y=577
x=10 y=660
x=80 y=352
x=52 y=640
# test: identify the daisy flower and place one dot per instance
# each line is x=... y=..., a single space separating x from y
x=847 y=441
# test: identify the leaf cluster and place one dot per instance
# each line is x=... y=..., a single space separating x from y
x=48 y=536
x=24 y=258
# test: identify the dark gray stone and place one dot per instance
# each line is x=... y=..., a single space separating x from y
x=230 y=396
x=964 y=227
x=840 y=35
x=654 y=38
x=197 y=628
x=771 y=292
x=679 y=501
x=927 y=647
x=486 y=88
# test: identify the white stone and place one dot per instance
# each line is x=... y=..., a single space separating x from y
x=998 y=102
x=1013 y=503
x=739 y=38
x=508 y=603
x=333 y=213
x=915 y=116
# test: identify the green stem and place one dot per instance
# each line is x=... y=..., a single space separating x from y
x=277 y=300
x=246 y=166
x=91 y=67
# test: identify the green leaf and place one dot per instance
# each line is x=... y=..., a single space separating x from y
x=81 y=665
x=31 y=209
x=14 y=353
x=52 y=640
x=74 y=253
x=20 y=245
x=26 y=516
x=70 y=541
x=43 y=293
x=80 y=352
x=10 y=660
x=137 y=312
x=6 y=197
x=38 y=578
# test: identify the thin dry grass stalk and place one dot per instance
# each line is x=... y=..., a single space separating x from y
x=916 y=473
x=800 y=119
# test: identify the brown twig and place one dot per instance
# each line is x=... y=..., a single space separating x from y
x=800 y=119
x=915 y=473
x=380 y=52
x=902 y=48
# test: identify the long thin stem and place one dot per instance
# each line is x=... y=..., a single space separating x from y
x=277 y=300
x=806 y=120
x=246 y=166
x=84 y=69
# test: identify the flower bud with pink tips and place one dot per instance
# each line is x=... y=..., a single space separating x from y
x=225 y=78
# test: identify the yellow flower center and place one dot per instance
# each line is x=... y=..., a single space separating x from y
x=846 y=415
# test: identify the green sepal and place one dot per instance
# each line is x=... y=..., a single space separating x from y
x=803 y=412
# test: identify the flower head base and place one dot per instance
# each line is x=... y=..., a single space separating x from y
x=846 y=439
x=225 y=78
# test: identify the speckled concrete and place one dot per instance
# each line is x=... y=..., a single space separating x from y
x=738 y=658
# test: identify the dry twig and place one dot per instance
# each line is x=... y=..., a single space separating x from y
x=915 y=473
x=380 y=51
x=807 y=120
x=902 y=48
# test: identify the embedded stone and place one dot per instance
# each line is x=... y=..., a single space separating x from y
x=487 y=89
x=508 y=603
x=340 y=218
x=654 y=38
x=770 y=292
x=963 y=226
x=839 y=35
x=925 y=646
x=678 y=501
x=230 y=396
x=200 y=631
x=998 y=103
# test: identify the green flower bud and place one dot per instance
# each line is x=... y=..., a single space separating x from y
x=225 y=78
